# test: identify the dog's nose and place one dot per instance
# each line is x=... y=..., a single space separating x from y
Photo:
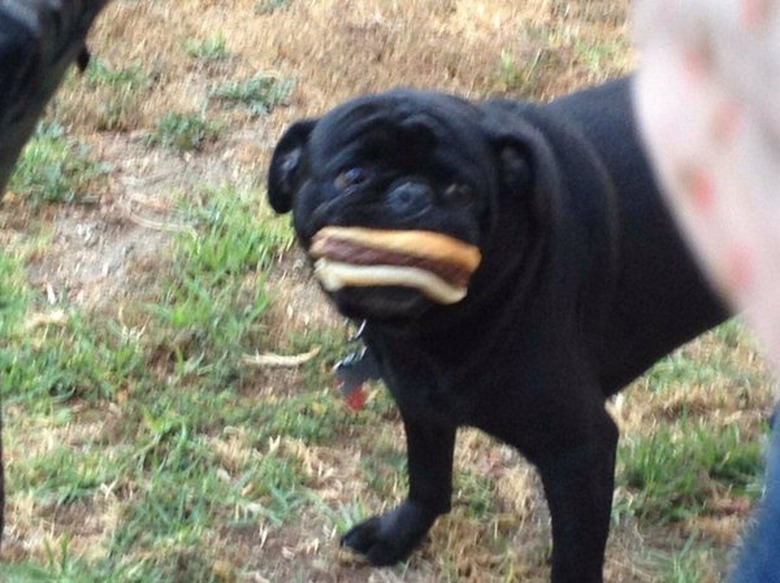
x=410 y=197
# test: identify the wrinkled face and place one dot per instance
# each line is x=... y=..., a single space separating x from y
x=391 y=200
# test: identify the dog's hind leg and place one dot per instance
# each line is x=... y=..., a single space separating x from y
x=390 y=538
x=578 y=478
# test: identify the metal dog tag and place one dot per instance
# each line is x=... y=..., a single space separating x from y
x=353 y=372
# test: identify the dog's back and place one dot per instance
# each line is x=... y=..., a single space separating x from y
x=661 y=297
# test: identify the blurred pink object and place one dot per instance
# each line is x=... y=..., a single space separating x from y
x=708 y=94
x=708 y=101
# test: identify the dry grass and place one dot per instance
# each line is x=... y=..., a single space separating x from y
x=332 y=49
x=336 y=49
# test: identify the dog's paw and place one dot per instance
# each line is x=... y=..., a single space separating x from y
x=390 y=538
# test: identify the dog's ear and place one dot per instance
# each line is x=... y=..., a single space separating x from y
x=526 y=160
x=284 y=172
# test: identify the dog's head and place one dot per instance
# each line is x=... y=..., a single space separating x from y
x=394 y=196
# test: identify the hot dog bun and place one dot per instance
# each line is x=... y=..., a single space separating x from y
x=437 y=265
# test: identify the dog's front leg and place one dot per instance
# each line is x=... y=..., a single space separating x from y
x=578 y=482
x=391 y=537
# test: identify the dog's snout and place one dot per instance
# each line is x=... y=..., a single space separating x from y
x=410 y=197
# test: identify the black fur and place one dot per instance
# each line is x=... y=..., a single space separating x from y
x=584 y=283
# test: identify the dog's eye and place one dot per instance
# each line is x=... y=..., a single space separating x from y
x=351 y=177
x=459 y=194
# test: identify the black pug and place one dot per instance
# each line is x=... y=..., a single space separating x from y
x=572 y=280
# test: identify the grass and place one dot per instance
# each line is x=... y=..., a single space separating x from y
x=121 y=92
x=142 y=447
x=211 y=303
x=59 y=355
x=260 y=94
x=673 y=473
x=100 y=74
x=164 y=463
x=184 y=132
x=691 y=563
x=213 y=48
x=13 y=291
x=55 y=168
x=269 y=6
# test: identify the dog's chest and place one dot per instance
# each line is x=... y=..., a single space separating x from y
x=445 y=380
x=423 y=384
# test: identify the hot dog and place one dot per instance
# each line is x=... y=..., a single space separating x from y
x=437 y=265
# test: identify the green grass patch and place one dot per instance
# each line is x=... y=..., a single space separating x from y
x=66 y=474
x=99 y=73
x=211 y=309
x=61 y=565
x=681 y=369
x=718 y=362
x=213 y=48
x=692 y=563
x=599 y=56
x=58 y=354
x=476 y=491
x=673 y=472
x=233 y=238
x=312 y=418
x=121 y=93
x=259 y=94
x=55 y=168
x=68 y=356
x=515 y=76
x=385 y=469
x=13 y=294
x=184 y=132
